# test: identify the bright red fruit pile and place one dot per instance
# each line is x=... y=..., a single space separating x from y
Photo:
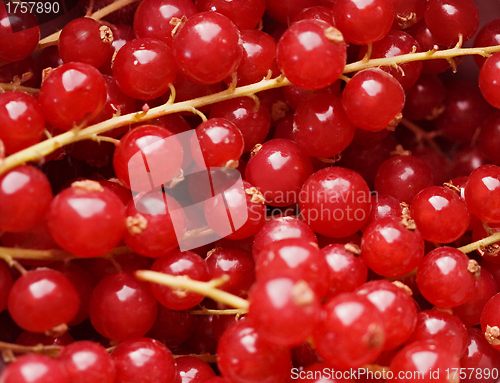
x=364 y=177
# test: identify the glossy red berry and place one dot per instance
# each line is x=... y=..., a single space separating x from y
x=440 y=214
x=240 y=214
x=155 y=224
x=403 y=177
x=278 y=229
x=21 y=121
x=321 y=127
x=363 y=22
x=152 y=18
x=211 y=56
x=191 y=369
x=348 y=270
x=144 y=68
x=482 y=193
x=490 y=324
x=35 y=368
x=259 y=57
x=391 y=249
x=87 y=362
x=143 y=360
x=25 y=197
x=444 y=279
x=335 y=202
x=440 y=327
x=179 y=263
x=43 y=299
x=85 y=40
x=87 y=219
x=252 y=119
x=19 y=33
x=244 y=356
x=292 y=297
x=245 y=14
x=311 y=54
x=217 y=142
x=489 y=35
x=115 y=306
x=372 y=99
x=351 y=332
x=72 y=94
x=398 y=310
x=279 y=169
x=296 y=258
x=426 y=358
x=447 y=19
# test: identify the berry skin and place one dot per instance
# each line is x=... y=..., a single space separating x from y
x=87 y=219
x=72 y=94
x=208 y=57
x=482 y=193
x=21 y=121
x=43 y=299
x=312 y=54
x=335 y=202
x=35 y=368
x=444 y=279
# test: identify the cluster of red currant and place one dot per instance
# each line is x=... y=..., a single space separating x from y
x=289 y=235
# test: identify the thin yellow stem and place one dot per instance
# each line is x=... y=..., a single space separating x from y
x=38 y=349
x=204 y=288
x=483 y=242
x=7 y=87
x=40 y=150
x=419 y=56
x=49 y=255
x=205 y=311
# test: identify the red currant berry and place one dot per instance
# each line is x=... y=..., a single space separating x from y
x=444 y=277
x=373 y=99
x=279 y=169
x=311 y=54
x=298 y=305
x=210 y=56
x=335 y=202
x=295 y=258
x=122 y=308
x=278 y=229
x=447 y=19
x=390 y=249
x=25 y=197
x=144 y=68
x=351 y=332
x=251 y=118
x=191 y=369
x=87 y=362
x=19 y=33
x=21 y=121
x=423 y=358
x=72 y=94
x=363 y=22
x=35 y=368
x=440 y=214
x=244 y=207
x=244 y=356
x=398 y=310
x=321 y=127
x=217 y=143
x=403 y=177
x=155 y=224
x=482 y=193
x=85 y=40
x=348 y=271
x=489 y=35
x=143 y=360
x=43 y=299
x=245 y=14
x=152 y=18
x=179 y=263
x=87 y=219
